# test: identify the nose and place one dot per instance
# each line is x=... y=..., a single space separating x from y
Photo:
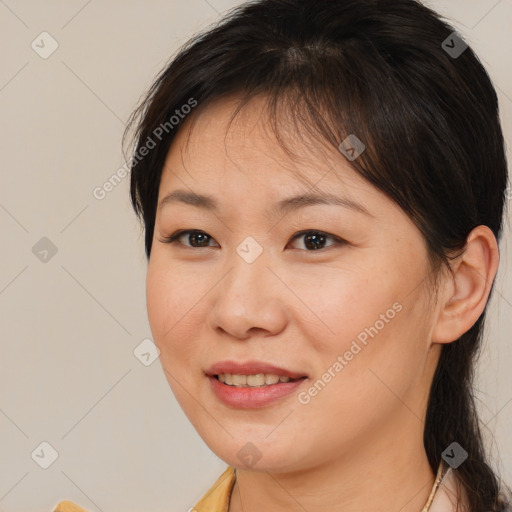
x=249 y=300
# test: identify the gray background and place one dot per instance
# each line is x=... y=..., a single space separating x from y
x=70 y=324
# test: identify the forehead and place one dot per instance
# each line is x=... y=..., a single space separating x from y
x=212 y=145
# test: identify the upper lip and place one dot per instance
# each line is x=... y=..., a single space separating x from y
x=251 y=368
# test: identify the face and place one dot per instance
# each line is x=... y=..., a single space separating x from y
x=332 y=295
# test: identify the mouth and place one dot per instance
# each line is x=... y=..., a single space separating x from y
x=254 y=384
x=258 y=380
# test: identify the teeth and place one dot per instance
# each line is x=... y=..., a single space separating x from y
x=271 y=379
x=252 y=381
x=239 y=380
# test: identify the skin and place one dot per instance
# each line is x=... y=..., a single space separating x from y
x=358 y=444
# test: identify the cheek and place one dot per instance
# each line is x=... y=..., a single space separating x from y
x=345 y=304
x=375 y=321
x=371 y=382
x=158 y=299
x=172 y=306
x=375 y=360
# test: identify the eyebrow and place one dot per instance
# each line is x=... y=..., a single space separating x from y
x=282 y=207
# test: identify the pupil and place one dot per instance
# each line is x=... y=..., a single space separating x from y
x=200 y=235
x=316 y=240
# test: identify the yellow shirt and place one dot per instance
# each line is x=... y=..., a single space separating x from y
x=215 y=500
x=441 y=499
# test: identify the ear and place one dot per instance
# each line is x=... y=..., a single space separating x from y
x=466 y=288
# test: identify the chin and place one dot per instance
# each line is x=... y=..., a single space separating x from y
x=263 y=455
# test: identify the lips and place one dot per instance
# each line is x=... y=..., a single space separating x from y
x=244 y=394
x=252 y=368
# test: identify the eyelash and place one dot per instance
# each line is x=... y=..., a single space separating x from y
x=173 y=239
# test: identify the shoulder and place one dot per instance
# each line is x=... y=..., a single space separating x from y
x=218 y=496
x=68 y=506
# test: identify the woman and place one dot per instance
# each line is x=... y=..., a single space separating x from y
x=322 y=187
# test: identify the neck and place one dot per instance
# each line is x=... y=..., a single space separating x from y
x=389 y=471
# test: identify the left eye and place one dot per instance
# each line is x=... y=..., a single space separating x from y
x=313 y=240
x=192 y=234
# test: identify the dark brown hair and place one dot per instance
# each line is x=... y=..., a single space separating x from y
x=427 y=116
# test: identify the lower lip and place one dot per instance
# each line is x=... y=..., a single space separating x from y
x=248 y=398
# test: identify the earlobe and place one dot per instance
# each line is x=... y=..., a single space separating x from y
x=467 y=288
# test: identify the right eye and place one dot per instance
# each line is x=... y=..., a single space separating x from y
x=197 y=238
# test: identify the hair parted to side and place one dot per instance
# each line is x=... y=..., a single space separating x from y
x=429 y=121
